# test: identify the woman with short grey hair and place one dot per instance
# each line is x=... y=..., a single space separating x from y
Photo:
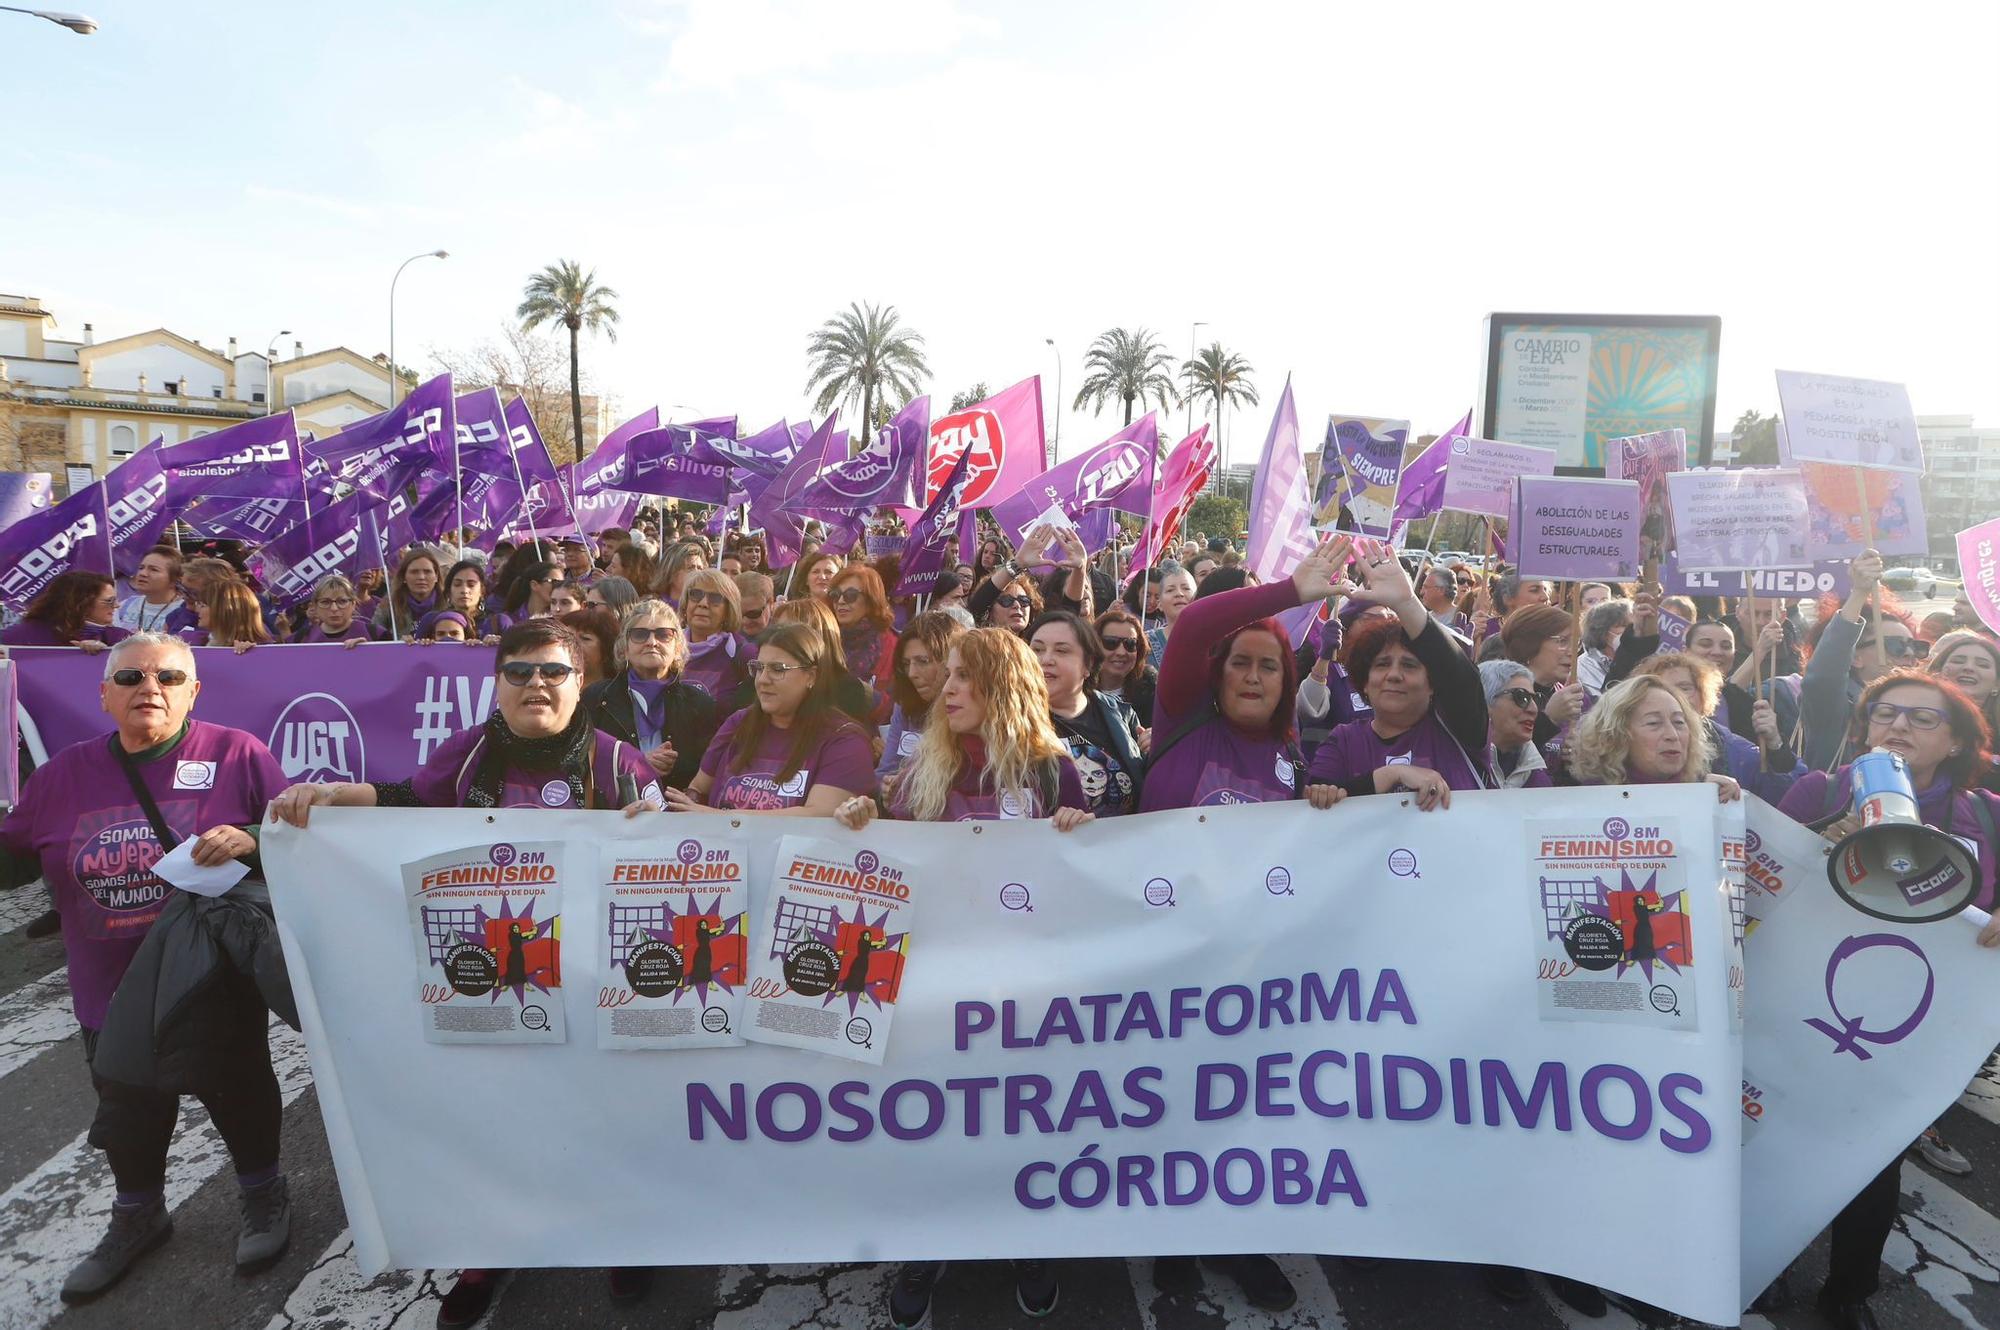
x=1513 y=761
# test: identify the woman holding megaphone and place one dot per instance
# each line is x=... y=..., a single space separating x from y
x=1930 y=723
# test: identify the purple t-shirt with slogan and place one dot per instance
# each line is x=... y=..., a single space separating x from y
x=971 y=800
x=444 y=781
x=719 y=665
x=78 y=815
x=1354 y=749
x=843 y=758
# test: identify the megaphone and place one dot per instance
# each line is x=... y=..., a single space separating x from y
x=1894 y=867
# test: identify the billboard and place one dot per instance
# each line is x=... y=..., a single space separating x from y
x=1571 y=381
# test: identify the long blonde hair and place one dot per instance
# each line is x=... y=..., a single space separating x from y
x=1020 y=739
x=1601 y=745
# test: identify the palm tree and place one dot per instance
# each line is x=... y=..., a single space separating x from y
x=1129 y=367
x=1223 y=377
x=862 y=353
x=564 y=293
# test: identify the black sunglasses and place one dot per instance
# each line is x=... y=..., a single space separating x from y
x=1121 y=644
x=847 y=595
x=133 y=678
x=1522 y=698
x=693 y=596
x=1009 y=601
x=521 y=673
x=662 y=634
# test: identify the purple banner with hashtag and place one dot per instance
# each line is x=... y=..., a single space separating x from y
x=374 y=712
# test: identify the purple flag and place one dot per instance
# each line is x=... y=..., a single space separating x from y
x=761 y=456
x=1280 y=510
x=675 y=463
x=135 y=507
x=23 y=493
x=1116 y=474
x=885 y=473
x=544 y=502
x=930 y=555
x=1421 y=490
x=349 y=535
x=422 y=427
x=597 y=493
x=240 y=483
x=70 y=537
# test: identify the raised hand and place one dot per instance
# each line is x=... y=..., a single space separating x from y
x=1317 y=573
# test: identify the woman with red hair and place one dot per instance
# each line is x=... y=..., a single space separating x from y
x=861 y=605
x=1851 y=646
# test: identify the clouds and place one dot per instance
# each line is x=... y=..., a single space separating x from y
x=724 y=44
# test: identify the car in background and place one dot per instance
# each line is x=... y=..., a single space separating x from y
x=1920 y=582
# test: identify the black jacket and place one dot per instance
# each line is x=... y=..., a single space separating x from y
x=691 y=721
x=1123 y=723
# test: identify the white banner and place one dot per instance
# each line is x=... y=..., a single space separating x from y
x=1297 y=1032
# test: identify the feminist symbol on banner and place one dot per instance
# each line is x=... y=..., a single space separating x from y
x=1850 y=1034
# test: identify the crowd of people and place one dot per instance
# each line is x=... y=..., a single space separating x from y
x=657 y=671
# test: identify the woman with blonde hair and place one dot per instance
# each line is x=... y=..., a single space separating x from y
x=849 y=693
x=336 y=616
x=1644 y=732
x=1768 y=773
x=675 y=564
x=229 y=616
x=718 y=655
x=647 y=703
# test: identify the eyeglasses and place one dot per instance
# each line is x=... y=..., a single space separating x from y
x=521 y=673
x=1906 y=646
x=133 y=678
x=1121 y=644
x=777 y=669
x=640 y=636
x=337 y=602
x=1920 y=718
x=1009 y=601
x=1521 y=698
x=694 y=597
x=847 y=595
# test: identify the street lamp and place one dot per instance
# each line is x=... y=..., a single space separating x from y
x=76 y=23
x=1198 y=323
x=1050 y=342
x=427 y=254
x=270 y=369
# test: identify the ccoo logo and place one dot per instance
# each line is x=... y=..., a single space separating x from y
x=317 y=739
x=953 y=434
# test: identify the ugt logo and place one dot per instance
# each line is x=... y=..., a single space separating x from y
x=318 y=739
x=977 y=431
x=1853 y=1031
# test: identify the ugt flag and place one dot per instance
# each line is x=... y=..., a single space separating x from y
x=1116 y=474
x=1185 y=471
x=1004 y=436
x=884 y=474
x=241 y=483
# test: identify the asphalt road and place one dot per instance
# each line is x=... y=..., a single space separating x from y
x=1943 y=1263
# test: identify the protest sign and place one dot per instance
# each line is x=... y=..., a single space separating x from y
x=676 y=939
x=1130 y=1040
x=329 y=713
x=1479 y=473
x=1849 y=422
x=1649 y=459
x=1851 y=506
x=1979 y=565
x=1360 y=463
x=486 y=921
x=1674 y=630
x=1826 y=577
x=1566 y=527
x=1740 y=520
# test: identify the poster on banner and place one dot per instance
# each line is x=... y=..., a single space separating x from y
x=1360 y=463
x=832 y=940
x=1614 y=927
x=1849 y=422
x=1649 y=459
x=1849 y=505
x=1738 y=520
x=1575 y=528
x=676 y=943
x=486 y=923
x=1979 y=566
x=1478 y=477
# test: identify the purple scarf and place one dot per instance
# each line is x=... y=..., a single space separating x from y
x=863 y=645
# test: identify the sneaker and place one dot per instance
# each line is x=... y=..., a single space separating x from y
x=468 y=1298
x=1587 y=1299
x=46 y=924
x=1934 y=1150
x=1176 y=1275
x=267 y=1225
x=1037 y=1288
x=1262 y=1282
x=1509 y=1283
x=132 y=1233
x=631 y=1283
x=910 y=1299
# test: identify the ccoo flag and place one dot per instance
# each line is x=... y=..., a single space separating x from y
x=135 y=507
x=1280 y=510
x=39 y=548
x=239 y=483
x=423 y=427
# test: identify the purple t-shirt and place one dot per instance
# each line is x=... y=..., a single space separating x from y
x=444 y=781
x=78 y=816
x=719 y=665
x=843 y=759
x=35 y=633
x=1354 y=749
x=356 y=628
x=970 y=800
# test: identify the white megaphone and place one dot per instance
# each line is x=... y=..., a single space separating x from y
x=1894 y=867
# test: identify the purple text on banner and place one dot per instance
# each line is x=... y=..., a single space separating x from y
x=1576 y=529
x=1828 y=577
x=1477 y=472
x=373 y=713
x=1735 y=521
x=1979 y=564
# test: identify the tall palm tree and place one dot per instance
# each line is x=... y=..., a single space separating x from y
x=862 y=353
x=1129 y=367
x=1223 y=377
x=564 y=293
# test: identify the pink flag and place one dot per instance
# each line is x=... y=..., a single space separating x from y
x=1182 y=475
x=1004 y=436
x=1979 y=564
x=1280 y=509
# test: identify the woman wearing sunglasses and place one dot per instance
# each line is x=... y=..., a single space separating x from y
x=718 y=655
x=1853 y=644
x=648 y=703
x=74 y=610
x=530 y=594
x=1513 y=761
x=1126 y=674
x=1938 y=731
x=861 y=606
x=793 y=753
x=91 y=821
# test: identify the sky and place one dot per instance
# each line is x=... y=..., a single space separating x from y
x=1339 y=192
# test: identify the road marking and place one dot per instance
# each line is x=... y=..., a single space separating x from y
x=333 y=1295
x=33 y=1018
x=21 y=905
x=1983 y=1095
x=51 y=1219
x=1220 y=1298
x=827 y=1297
x=1944 y=1243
